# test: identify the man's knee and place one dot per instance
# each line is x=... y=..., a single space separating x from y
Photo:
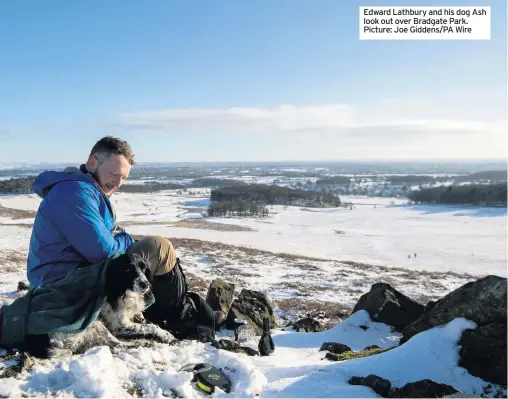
x=159 y=251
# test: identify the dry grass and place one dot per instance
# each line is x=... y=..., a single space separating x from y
x=234 y=272
x=16 y=213
x=9 y=256
x=196 y=283
x=331 y=312
x=203 y=224
x=189 y=224
x=25 y=225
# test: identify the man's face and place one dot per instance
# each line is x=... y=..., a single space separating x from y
x=109 y=171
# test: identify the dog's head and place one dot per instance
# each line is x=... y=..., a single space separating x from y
x=128 y=272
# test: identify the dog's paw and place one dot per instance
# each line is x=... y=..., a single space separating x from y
x=166 y=337
x=138 y=318
x=58 y=353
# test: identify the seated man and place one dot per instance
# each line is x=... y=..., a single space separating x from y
x=75 y=226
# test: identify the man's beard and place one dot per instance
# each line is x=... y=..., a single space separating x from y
x=96 y=177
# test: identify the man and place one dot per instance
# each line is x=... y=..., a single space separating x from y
x=75 y=226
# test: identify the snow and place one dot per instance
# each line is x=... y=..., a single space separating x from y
x=377 y=230
x=432 y=354
x=296 y=369
x=381 y=231
x=348 y=333
x=462 y=240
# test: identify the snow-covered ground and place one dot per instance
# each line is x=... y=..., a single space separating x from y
x=382 y=231
x=296 y=369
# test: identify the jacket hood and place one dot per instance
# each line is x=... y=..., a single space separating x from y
x=46 y=180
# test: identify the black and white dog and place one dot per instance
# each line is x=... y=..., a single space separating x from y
x=127 y=288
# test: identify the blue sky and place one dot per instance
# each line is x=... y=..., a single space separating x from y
x=242 y=80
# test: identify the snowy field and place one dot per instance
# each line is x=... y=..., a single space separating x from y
x=451 y=244
x=381 y=231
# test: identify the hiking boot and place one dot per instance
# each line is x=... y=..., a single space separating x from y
x=220 y=319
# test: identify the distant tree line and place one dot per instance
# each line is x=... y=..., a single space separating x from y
x=288 y=173
x=211 y=182
x=334 y=180
x=490 y=175
x=477 y=194
x=236 y=208
x=21 y=185
x=149 y=187
x=410 y=179
x=263 y=194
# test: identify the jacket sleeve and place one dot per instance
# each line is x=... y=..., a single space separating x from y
x=75 y=210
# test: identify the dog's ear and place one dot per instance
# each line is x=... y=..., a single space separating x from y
x=149 y=275
x=144 y=266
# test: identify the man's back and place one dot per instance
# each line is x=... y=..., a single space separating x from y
x=73 y=226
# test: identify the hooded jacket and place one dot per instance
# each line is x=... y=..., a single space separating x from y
x=73 y=227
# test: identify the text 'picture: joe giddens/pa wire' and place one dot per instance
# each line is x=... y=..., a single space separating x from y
x=424 y=23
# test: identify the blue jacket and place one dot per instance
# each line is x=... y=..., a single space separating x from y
x=74 y=226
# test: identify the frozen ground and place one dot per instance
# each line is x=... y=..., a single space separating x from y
x=376 y=238
x=296 y=369
x=380 y=231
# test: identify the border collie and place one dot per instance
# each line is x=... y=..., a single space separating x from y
x=127 y=287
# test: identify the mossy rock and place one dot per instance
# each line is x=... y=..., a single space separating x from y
x=349 y=355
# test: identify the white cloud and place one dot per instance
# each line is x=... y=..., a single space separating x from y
x=392 y=129
x=340 y=119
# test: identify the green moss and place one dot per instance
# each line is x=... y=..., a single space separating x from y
x=135 y=391
x=10 y=372
x=356 y=355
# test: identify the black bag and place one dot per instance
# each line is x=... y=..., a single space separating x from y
x=266 y=345
x=185 y=314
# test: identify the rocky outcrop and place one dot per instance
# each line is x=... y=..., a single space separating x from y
x=379 y=385
x=307 y=325
x=482 y=301
x=418 y=389
x=220 y=295
x=22 y=286
x=423 y=389
x=335 y=348
x=232 y=346
x=483 y=350
x=387 y=305
x=251 y=306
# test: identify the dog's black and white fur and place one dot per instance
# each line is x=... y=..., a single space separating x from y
x=127 y=286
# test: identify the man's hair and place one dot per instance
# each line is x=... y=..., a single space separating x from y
x=113 y=146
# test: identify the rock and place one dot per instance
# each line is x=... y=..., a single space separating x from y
x=307 y=325
x=423 y=389
x=22 y=286
x=387 y=305
x=364 y=328
x=482 y=301
x=368 y=348
x=232 y=346
x=251 y=306
x=332 y=357
x=379 y=385
x=220 y=295
x=483 y=352
x=335 y=348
